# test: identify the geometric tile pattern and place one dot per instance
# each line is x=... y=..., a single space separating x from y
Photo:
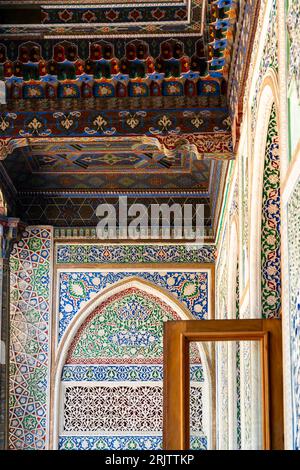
x=79 y=209
x=76 y=288
x=75 y=210
x=270 y=229
x=96 y=408
x=29 y=333
x=294 y=305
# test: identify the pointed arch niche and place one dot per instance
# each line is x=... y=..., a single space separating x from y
x=108 y=390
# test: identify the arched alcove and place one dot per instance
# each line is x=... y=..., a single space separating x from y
x=112 y=356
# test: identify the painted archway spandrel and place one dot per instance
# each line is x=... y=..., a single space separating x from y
x=125 y=328
x=77 y=288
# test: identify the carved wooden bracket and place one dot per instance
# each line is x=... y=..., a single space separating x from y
x=8 y=145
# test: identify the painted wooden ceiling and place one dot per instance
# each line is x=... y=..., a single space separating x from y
x=106 y=97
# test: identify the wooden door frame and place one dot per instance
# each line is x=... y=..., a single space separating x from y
x=177 y=338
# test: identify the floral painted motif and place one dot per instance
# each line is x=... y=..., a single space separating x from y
x=96 y=253
x=121 y=372
x=270 y=242
x=121 y=442
x=30 y=306
x=125 y=329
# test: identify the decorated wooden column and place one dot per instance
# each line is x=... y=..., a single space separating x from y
x=8 y=234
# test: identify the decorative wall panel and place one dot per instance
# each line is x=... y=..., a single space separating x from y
x=29 y=342
x=111 y=395
x=270 y=230
x=126 y=352
x=120 y=343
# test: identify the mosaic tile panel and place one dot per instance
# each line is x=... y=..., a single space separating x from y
x=294 y=305
x=78 y=211
x=119 y=254
x=270 y=230
x=76 y=288
x=30 y=307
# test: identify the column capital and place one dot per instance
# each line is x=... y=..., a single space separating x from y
x=10 y=231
